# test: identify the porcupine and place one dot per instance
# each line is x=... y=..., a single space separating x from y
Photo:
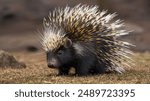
x=85 y=38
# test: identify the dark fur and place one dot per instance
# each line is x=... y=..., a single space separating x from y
x=81 y=56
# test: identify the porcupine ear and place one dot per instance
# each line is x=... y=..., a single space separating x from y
x=68 y=43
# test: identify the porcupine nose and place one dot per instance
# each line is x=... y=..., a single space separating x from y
x=52 y=63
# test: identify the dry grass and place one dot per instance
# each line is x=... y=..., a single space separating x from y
x=38 y=72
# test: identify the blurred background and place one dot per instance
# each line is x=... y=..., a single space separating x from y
x=20 y=20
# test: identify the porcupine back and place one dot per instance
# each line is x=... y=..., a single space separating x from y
x=88 y=24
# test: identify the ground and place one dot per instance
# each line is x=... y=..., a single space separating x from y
x=38 y=72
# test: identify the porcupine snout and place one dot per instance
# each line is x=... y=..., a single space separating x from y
x=52 y=62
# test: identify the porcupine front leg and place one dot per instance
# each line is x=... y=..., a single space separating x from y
x=63 y=71
x=84 y=64
x=82 y=69
x=99 y=68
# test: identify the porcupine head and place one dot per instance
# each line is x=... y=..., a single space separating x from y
x=58 y=48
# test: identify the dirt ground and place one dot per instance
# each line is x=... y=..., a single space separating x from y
x=37 y=72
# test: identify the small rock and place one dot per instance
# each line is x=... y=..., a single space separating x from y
x=8 y=60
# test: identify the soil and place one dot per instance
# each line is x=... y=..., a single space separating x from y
x=38 y=72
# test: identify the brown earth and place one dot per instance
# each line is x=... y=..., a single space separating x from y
x=38 y=72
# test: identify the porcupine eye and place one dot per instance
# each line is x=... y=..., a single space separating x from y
x=60 y=52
